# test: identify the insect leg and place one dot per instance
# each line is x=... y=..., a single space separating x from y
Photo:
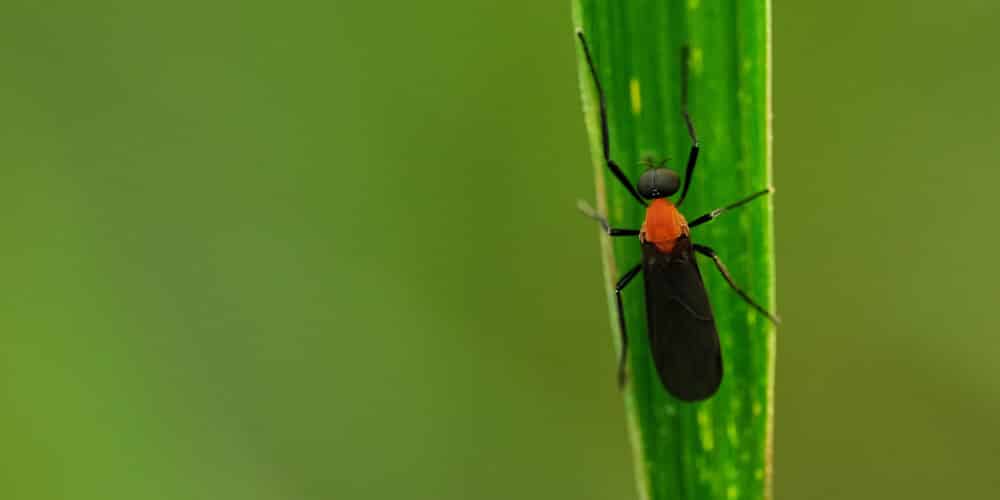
x=605 y=139
x=585 y=209
x=719 y=211
x=695 y=146
x=708 y=252
x=623 y=355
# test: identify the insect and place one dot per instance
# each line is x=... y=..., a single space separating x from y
x=683 y=338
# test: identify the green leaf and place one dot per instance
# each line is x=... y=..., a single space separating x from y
x=720 y=448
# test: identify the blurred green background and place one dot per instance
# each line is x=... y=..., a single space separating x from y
x=329 y=250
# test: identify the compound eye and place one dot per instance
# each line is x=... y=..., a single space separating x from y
x=658 y=183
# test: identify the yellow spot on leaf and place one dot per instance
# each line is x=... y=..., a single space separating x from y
x=633 y=88
x=697 y=60
x=732 y=492
x=705 y=430
x=693 y=4
x=733 y=434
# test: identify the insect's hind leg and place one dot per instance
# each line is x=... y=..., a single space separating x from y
x=623 y=355
x=605 y=139
x=708 y=252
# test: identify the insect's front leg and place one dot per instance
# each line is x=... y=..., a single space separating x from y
x=695 y=145
x=605 y=134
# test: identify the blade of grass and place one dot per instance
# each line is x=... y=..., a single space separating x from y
x=721 y=448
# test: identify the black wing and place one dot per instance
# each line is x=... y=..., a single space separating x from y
x=682 y=334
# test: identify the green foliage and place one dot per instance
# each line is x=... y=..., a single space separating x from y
x=721 y=448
